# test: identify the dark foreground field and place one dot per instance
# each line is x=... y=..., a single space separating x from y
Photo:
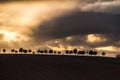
x=41 y=67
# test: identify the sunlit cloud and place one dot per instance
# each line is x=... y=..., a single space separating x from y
x=60 y=45
x=95 y=38
x=109 y=48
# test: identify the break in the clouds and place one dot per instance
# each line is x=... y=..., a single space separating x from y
x=85 y=24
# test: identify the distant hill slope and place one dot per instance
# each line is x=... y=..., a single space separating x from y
x=43 y=67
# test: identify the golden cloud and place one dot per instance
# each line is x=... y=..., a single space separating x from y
x=95 y=38
x=17 y=22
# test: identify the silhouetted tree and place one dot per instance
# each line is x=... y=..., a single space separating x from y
x=33 y=52
x=71 y=52
x=41 y=51
x=103 y=53
x=16 y=51
x=29 y=50
x=12 y=50
x=4 y=50
x=25 y=51
x=38 y=51
x=59 y=52
x=75 y=51
x=67 y=51
x=91 y=52
x=95 y=53
x=21 y=50
x=81 y=52
x=51 y=51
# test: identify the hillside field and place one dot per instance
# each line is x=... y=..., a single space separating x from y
x=46 y=67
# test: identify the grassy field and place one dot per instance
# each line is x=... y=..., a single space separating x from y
x=44 y=67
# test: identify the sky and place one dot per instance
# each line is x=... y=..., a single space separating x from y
x=60 y=24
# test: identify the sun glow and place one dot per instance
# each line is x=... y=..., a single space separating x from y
x=13 y=36
x=9 y=36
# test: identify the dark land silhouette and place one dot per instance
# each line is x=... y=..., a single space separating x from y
x=49 y=67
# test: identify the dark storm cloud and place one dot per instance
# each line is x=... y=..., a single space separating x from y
x=105 y=7
x=92 y=1
x=80 y=23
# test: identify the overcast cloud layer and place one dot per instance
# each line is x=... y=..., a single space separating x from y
x=84 y=24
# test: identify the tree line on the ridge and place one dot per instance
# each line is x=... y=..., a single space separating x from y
x=50 y=51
